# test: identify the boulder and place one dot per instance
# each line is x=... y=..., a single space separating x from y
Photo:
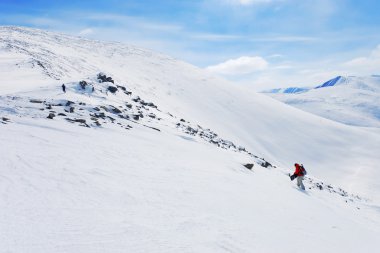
x=121 y=87
x=116 y=110
x=36 y=101
x=80 y=121
x=83 y=84
x=136 y=99
x=103 y=78
x=265 y=164
x=112 y=89
x=68 y=103
x=51 y=115
x=248 y=166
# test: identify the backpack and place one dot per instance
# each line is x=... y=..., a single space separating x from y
x=303 y=170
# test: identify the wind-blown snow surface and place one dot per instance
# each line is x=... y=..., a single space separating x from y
x=130 y=188
x=349 y=100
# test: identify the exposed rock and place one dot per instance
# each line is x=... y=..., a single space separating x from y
x=80 y=120
x=77 y=120
x=136 y=99
x=265 y=164
x=83 y=84
x=248 y=166
x=123 y=116
x=5 y=119
x=100 y=115
x=36 y=101
x=51 y=115
x=242 y=149
x=121 y=87
x=136 y=116
x=104 y=108
x=128 y=105
x=96 y=109
x=150 y=104
x=103 y=78
x=48 y=107
x=71 y=109
x=68 y=103
x=61 y=114
x=112 y=89
x=112 y=119
x=116 y=110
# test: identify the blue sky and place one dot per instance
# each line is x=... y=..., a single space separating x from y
x=261 y=43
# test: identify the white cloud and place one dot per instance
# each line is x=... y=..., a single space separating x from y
x=240 y=66
x=85 y=32
x=285 y=39
x=214 y=36
x=276 y=56
x=251 y=2
x=365 y=65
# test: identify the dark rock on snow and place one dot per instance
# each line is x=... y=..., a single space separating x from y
x=103 y=78
x=51 y=115
x=36 y=101
x=248 y=166
x=68 y=103
x=83 y=84
x=112 y=89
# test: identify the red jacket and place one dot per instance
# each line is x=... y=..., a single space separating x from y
x=298 y=170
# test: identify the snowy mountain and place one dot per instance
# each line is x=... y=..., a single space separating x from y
x=146 y=153
x=349 y=100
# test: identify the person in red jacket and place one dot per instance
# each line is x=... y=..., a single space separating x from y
x=299 y=174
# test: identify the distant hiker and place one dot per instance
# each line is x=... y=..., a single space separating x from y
x=299 y=173
x=93 y=89
x=64 y=88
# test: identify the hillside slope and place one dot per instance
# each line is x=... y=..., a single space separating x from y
x=157 y=164
x=280 y=133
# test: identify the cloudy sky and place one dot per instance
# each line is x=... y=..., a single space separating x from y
x=260 y=43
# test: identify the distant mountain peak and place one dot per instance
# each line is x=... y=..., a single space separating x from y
x=331 y=82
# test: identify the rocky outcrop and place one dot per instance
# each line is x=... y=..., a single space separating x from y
x=102 y=78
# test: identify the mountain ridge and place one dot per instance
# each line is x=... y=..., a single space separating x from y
x=350 y=100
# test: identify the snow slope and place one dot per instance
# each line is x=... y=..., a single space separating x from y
x=164 y=173
x=349 y=100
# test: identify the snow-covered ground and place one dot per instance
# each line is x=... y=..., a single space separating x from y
x=349 y=100
x=164 y=172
